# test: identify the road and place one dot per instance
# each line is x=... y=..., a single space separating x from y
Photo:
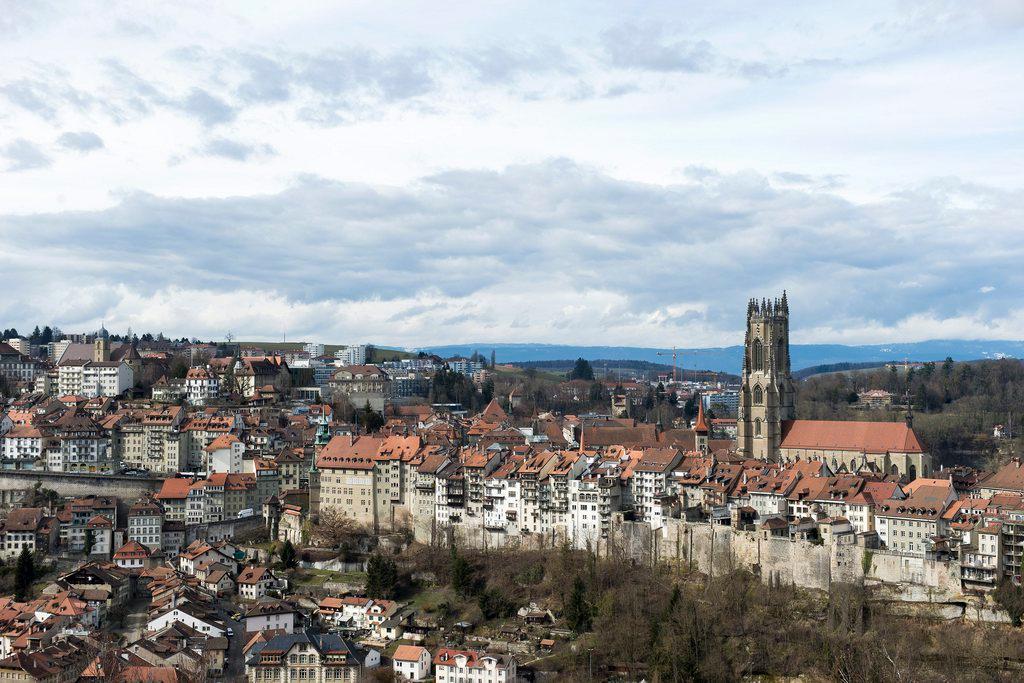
x=235 y=665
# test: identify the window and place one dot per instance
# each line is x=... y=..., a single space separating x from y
x=757 y=355
x=757 y=427
x=758 y=396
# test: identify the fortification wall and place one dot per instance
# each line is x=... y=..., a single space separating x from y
x=223 y=530
x=72 y=484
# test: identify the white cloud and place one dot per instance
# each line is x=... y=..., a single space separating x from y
x=551 y=252
x=389 y=166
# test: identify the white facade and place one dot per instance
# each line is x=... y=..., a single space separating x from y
x=228 y=459
x=458 y=667
x=21 y=445
x=287 y=622
x=411 y=663
x=177 y=614
x=201 y=386
x=351 y=355
x=92 y=379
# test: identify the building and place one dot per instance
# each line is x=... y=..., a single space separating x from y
x=224 y=454
x=132 y=556
x=308 y=656
x=145 y=524
x=885 y=447
x=468 y=666
x=874 y=399
x=411 y=663
x=316 y=350
x=910 y=525
x=361 y=385
x=767 y=428
x=16 y=366
x=767 y=391
x=347 y=480
x=254 y=582
x=350 y=355
x=27 y=528
x=201 y=386
x=94 y=378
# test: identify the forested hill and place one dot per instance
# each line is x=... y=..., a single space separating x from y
x=955 y=405
x=605 y=366
x=729 y=358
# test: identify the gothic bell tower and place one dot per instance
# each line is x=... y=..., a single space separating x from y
x=766 y=395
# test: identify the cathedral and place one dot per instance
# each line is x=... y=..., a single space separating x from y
x=767 y=428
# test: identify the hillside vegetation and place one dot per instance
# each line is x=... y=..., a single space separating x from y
x=666 y=623
x=956 y=405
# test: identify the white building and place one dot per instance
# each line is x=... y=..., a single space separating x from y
x=273 y=616
x=22 y=447
x=467 y=666
x=351 y=355
x=411 y=663
x=94 y=378
x=224 y=454
x=201 y=386
x=314 y=349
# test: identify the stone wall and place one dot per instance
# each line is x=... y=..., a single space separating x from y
x=72 y=484
x=715 y=550
x=224 y=530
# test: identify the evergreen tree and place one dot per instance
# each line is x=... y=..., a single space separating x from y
x=35 y=336
x=24 y=574
x=578 y=614
x=487 y=391
x=381 y=577
x=289 y=559
x=492 y=359
x=90 y=541
x=462 y=574
x=47 y=335
x=371 y=420
x=582 y=370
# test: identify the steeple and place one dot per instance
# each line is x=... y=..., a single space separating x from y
x=701 y=425
x=767 y=393
x=700 y=429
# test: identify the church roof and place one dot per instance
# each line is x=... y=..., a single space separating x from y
x=701 y=425
x=494 y=412
x=861 y=437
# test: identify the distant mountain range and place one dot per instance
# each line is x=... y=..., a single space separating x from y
x=730 y=358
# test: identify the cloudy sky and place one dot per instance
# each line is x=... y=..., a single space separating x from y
x=588 y=173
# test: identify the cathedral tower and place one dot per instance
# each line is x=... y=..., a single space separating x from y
x=766 y=395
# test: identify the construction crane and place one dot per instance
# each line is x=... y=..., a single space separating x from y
x=677 y=354
x=675 y=365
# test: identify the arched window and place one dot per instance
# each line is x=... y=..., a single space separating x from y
x=913 y=472
x=757 y=355
x=758 y=396
x=757 y=427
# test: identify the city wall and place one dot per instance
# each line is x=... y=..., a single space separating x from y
x=921 y=586
x=74 y=484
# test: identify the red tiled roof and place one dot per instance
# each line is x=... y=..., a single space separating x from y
x=861 y=437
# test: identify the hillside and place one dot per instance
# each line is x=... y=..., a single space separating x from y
x=729 y=358
x=379 y=353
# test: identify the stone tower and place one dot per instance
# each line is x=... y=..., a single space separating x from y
x=101 y=350
x=766 y=395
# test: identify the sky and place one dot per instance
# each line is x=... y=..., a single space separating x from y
x=590 y=173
